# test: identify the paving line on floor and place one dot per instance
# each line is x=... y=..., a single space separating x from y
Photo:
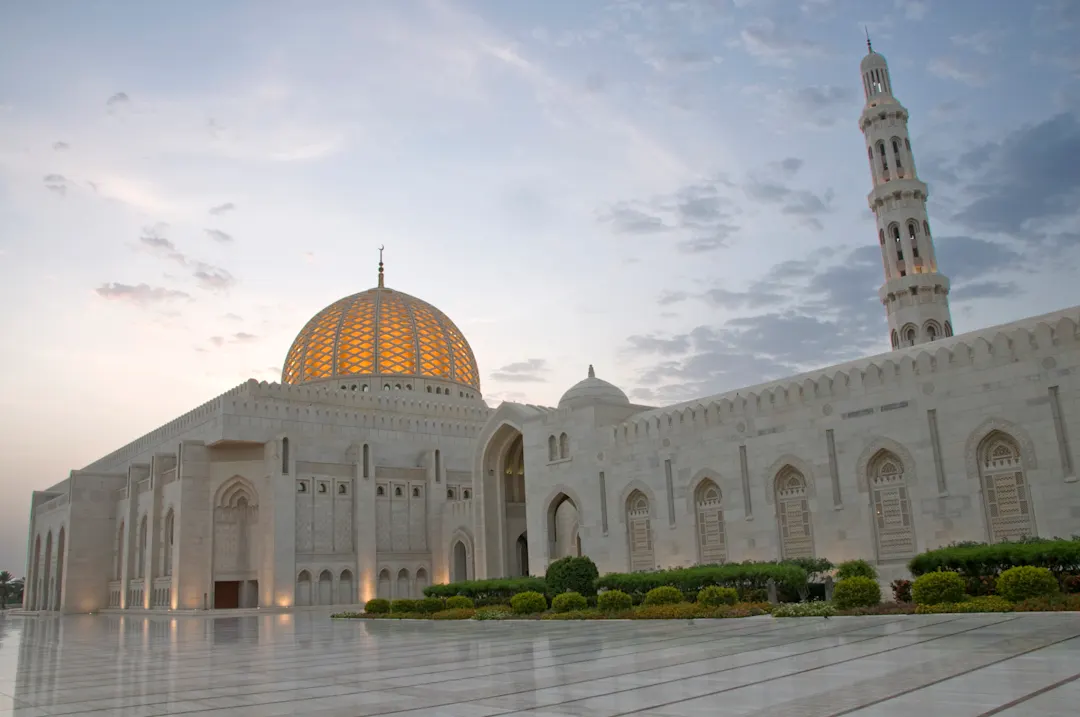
x=1031 y=695
x=749 y=648
x=683 y=663
x=469 y=670
x=713 y=693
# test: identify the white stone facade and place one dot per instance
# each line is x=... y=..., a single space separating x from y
x=327 y=490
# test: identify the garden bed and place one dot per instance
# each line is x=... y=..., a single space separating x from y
x=679 y=611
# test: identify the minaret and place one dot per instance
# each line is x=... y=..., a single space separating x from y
x=915 y=295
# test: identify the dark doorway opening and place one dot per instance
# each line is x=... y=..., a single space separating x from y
x=226 y=594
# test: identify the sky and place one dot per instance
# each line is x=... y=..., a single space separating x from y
x=671 y=190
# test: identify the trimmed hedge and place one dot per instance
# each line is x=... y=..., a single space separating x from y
x=747 y=578
x=430 y=606
x=1026 y=581
x=855 y=592
x=986 y=603
x=403 y=605
x=937 y=588
x=498 y=591
x=1060 y=557
x=663 y=595
x=569 y=602
x=714 y=596
x=613 y=601
x=377 y=606
x=459 y=602
x=572 y=574
x=527 y=603
x=855 y=569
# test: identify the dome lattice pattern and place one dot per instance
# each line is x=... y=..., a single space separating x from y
x=380 y=332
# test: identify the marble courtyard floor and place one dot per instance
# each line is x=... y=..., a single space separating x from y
x=1013 y=665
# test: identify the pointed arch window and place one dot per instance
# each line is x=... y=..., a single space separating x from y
x=884 y=159
x=793 y=514
x=910 y=334
x=1005 y=488
x=712 y=545
x=553 y=448
x=564 y=446
x=891 y=502
x=895 y=339
x=639 y=532
x=913 y=235
x=948 y=329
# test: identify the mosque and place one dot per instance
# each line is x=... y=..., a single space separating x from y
x=375 y=468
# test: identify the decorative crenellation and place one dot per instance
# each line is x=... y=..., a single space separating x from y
x=386 y=411
x=998 y=345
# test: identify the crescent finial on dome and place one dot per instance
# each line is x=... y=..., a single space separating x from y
x=592 y=373
x=381 y=285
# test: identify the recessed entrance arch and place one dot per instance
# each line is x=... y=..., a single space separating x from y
x=563 y=525
x=502 y=506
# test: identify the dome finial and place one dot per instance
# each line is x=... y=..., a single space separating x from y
x=869 y=47
x=381 y=247
x=592 y=374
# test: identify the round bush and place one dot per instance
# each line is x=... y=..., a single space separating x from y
x=663 y=595
x=937 y=588
x=527 y=603
x=714 y=596
x=614 y=601
x=855 y=569
x=378 y=606
x=1026 y=581
x=459 y=602
x=858 y=591
x=430 y=606
x=572 y=574
x=569 y=602
x=403 y=605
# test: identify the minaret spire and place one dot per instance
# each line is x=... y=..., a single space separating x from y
x=381 y=285
x=915 y=294
x=869 y=47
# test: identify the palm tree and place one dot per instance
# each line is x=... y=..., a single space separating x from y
x=17 y=590
x=6 y=591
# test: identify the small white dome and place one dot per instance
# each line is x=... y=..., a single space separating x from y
x=591 y=391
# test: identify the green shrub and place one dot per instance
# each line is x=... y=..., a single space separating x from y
x=528 y=603
x=430 y=605
x=493 y=612
x=663 y=595
x=348 y=614
x=1049 y=603
x=855 y=569
x=665 y=611
x=1026 y=581
x=856 y=591
x=936 y=588
x=974 y=560
x=403 y=605
x=377 y=606
x=817 y=608
x=613 y=601
x=589 y=614
x=497 y=591
x=457 y=613
x=459 y=602
x=569 y=602
x=985 y=603
x=883 y=608
x=572 y=574
x=714 y=596
x=749 y=578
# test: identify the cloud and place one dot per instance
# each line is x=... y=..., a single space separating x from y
x=772 y=45
x=1026 y=184
x=984 y=42
x=57 y=183
x=61 y=146
x=814 y=107
x=698 y=216
x=140 y=294
x=964 y=257
x=913 y=9
x=208 y=276
x=244 y=338
x=803 y=204
x=791 y=165
x=233 y=317
x=213 y=278
x=528 y=371
x=817 y=314
x=222 y=209
x=218 y=235
x=947 y=68
x=985 y=290
x=118 y=100
x=154 y=237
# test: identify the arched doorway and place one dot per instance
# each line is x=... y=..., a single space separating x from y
x=303 y=589
x=346 y=591
x=326 y=588
x=382 y=587
x=563 y=525
x=521 y=553
x=403 y=588
x=236 y=545
x=460 y=563
x=500 y=485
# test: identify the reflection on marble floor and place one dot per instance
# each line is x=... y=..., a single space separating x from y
x=305 y=664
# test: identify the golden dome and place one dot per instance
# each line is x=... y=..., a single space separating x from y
x=381 y=332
